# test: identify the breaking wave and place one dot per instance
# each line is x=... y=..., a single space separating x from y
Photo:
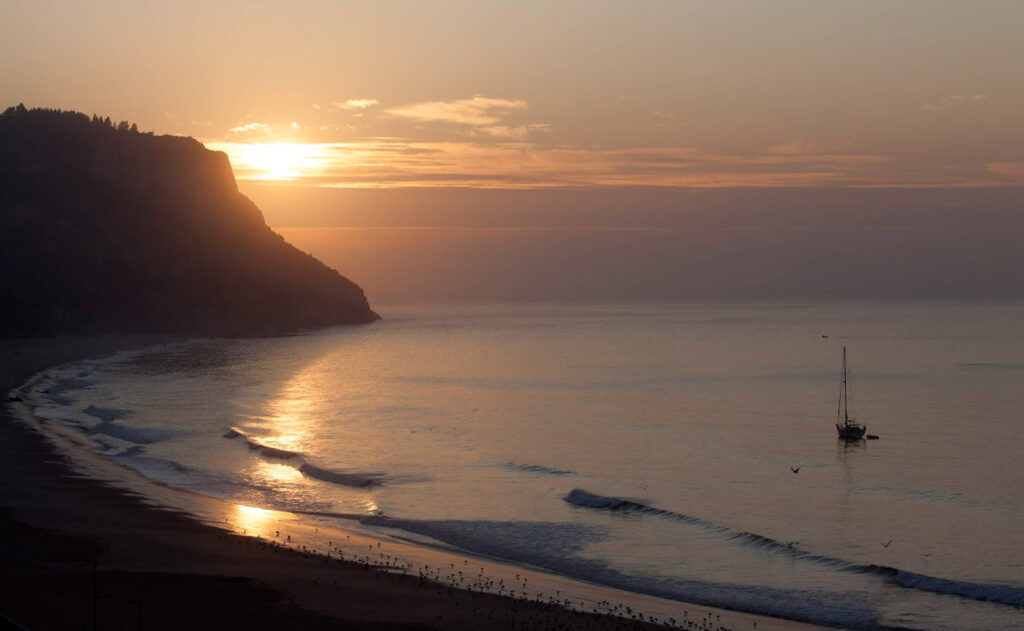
x=579 y=497
x=536 y=468
x=553 y=546
x=107 y=415
x=265 y=450
x=1005 y=594
x=346 y=479
x=307 y=469
x=137 y=435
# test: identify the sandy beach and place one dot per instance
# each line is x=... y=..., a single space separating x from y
x=79 y=553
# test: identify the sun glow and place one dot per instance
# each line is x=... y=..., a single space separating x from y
x=251 y=519
x=277 y=160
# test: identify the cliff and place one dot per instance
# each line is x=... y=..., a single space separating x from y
x=105 y=229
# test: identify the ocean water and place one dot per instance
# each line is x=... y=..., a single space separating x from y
x=650 y=448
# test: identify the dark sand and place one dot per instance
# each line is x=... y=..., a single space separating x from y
x=178 y=573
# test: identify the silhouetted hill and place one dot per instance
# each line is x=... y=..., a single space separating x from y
x=105 y=229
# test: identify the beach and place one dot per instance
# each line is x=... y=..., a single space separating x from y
x=80 y=553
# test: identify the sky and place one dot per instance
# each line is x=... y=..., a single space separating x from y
x=450 y=140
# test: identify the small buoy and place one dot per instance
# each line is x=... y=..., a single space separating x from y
x=872 y=437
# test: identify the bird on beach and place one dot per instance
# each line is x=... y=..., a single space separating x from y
x=886 y=545
x=795 y=469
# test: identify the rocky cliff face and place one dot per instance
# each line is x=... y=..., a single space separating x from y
x=104 y=229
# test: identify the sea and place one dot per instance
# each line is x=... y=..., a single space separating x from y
x=684 y=451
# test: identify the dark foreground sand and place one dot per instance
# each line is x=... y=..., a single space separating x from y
x=79 y=554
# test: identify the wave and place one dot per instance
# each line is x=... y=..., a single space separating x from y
x=249 y=491
x=106 y=414
x=115 y=446
x=332 y=514
x=993 y=365
x=554 y=546
x=265 y=450
x=137 y=435
x=536 y=468
x=582 y=498
x=345 y=479
x=306 y=468
x=990 y=592
x=151 y=467
x=272 y=452
x=60 y=385
x=71 y=383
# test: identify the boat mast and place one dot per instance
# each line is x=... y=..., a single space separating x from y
x=842 y=395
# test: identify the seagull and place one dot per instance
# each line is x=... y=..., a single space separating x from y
x=795 y=469
x=886 y=545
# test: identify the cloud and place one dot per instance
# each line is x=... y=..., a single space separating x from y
x=477 y=111
x=249 y=127
x=518 y=156
x=506 y=132
x=955 y=101
x=356 y=104
x=397 y=162
x=249 y=131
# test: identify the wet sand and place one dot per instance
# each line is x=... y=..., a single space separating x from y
x=78 y=553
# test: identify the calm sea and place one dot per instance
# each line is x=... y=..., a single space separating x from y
x=684 y=451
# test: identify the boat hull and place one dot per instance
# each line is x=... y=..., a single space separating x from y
x=851 y=432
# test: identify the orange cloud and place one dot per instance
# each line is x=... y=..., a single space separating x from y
x=396 y=162
x=479 y=110
x=504 y=131
x=502 y=156
x=356 y=104
x=248 y=131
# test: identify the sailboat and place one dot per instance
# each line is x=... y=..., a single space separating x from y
x=847 y=427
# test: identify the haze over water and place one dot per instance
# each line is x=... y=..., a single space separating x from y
x=644 y=447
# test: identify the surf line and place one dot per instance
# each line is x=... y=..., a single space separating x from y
x=305 y=467
x=989 y=592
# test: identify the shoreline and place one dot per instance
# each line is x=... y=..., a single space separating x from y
x=146 y=553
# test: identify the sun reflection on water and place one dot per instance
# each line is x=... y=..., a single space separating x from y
x=251 y=519
x=294 y=415
x=275 y=473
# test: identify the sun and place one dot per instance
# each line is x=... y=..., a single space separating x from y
x=277 y=160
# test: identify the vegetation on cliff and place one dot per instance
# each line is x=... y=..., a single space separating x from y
x=105 y=229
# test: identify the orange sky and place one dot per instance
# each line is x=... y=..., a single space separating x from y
x=587 y=149
x=549 y=94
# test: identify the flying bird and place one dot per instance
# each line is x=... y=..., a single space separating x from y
x=795 y=469
x=886 y=545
